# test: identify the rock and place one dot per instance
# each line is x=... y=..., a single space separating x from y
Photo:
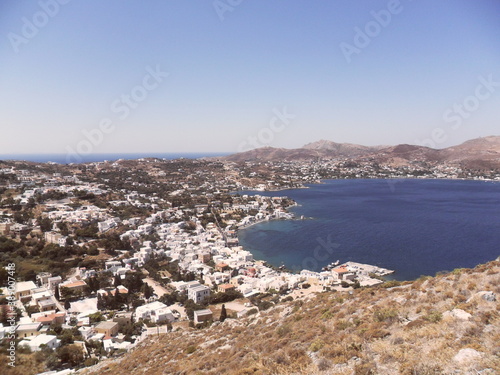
x=458 y=314
x=467 y=355
x=286 y=311
x=487 y=296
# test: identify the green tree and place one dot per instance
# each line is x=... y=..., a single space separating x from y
x=223 y=313
x=117 y=281
x=133 y=282
x=70 y=354
x=45 y=224
x=93 y=283
x=101 y=303
x=4 y=276
x=147 y=290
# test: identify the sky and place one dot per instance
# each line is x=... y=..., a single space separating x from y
x=130 y=76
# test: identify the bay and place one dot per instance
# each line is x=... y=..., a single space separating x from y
x=413 y=226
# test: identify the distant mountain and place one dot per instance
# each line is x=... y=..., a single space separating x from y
x=271 y=154
x=479 y=153
x=404 y=153
x=341 y=149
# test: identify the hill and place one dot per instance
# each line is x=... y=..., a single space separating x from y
x=477 y=153
x=481 y=152
x=341 y=149
x=448 y=324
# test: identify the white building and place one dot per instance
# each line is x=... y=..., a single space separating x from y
x=156 y=311
x=198 y=293
x=35 y=342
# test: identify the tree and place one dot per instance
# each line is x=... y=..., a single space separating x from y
x=4 y=311
x=63 y=227
x=56 y=293
x=147 y=290
x=67 y=337
x=45 y=224
x=117 y=281
x=70 y=354
x=119 y=300
x=67 y=304
x=133 y=282
x=93 y=284
x=66 y=293
x=223 y=313
x=104 y=279
x=4 y=276
x=101 y=304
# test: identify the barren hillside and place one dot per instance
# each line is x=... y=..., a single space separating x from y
x=449 y=324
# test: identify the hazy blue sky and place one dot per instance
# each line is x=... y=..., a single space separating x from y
x=232 y=68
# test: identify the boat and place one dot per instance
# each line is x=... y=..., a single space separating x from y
x=331 y=266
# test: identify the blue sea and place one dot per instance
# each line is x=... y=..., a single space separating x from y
x=415 y=227
x=90 y=158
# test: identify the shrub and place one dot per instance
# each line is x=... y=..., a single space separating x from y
x=283 y=330
x=327 y=315
x=433 y=316
x=316 y=345
x=415 y=324
x=191 y=349
x=90 y=362
x=391 y=284
x=264 y=305
x=385 y=315
x=342 y=324
x=324 y=364
x=365 y=369
x=376 y=333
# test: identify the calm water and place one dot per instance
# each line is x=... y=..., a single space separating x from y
x=416 y=227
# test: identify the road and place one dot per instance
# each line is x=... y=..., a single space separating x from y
x=160 y=291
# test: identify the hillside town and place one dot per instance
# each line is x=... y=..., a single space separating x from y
x=105 y=254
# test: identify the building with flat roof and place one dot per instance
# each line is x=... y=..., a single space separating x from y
x=36 y=342
x=199 y=293
x=108 y=328
x=201 y=316
x=24 y=289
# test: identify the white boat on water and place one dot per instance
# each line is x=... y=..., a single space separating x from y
x=331 y=265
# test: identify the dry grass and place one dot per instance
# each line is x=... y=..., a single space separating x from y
x=374 y=331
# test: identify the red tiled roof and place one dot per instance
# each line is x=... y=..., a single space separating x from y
x=340 y=270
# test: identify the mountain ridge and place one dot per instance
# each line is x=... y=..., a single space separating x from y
x=480 y=152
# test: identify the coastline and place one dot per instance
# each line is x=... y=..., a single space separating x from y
x=392 y=272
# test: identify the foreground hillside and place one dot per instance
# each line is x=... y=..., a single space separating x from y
x=449 y=324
